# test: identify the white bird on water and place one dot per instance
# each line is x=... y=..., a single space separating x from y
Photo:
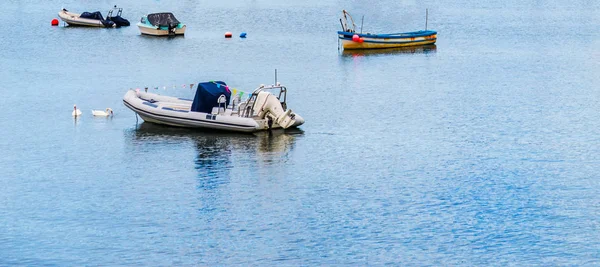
x=102 y=113
x=76 y=111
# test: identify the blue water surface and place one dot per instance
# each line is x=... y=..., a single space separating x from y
x=481 y=150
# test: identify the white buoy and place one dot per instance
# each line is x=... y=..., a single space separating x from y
x=76 y=112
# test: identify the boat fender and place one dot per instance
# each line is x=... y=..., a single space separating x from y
x=355 y=38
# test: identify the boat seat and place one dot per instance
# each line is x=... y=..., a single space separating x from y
x=220 y=109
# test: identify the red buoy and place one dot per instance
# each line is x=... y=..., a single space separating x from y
x=54 y=22
x=355 y=38
x=228 y=35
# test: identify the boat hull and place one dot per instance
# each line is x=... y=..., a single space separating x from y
x=378 y=41
x=74 y=19
x=175 y=112
x=159 y=32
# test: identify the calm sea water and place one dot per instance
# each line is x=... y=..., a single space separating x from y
x=481 y=150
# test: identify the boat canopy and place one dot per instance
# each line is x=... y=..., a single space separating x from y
x=162 y=19
x=97 y=16
x=207 y=96
x=92 y=15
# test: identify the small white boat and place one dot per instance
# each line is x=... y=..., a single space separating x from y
x=265 y=109
x=76 y=19
x=161 y=24
x=102 y=113
x=94 y=19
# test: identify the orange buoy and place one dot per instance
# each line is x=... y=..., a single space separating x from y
x=228 y=35
x=54 y=22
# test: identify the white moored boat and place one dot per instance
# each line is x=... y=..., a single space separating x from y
x=76 y=19
x=210 y=109
x=161 y=24
x=94 y=19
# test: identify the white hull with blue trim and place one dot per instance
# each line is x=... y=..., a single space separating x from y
x=375 y=41
x=262 y=111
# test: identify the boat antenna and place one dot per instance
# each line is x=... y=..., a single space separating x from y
x=361 y=23
x=426 y=17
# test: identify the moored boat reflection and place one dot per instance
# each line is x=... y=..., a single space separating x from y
x=216 y=157
x=422 y=49
x=215 y=148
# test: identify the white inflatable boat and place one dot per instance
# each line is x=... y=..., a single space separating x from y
x=76 y=19
x=266 y=108
x=94 y=19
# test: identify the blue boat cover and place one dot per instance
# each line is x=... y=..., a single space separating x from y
x=92 y=15
x=207 y=95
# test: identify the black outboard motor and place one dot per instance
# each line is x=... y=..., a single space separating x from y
x=119 y=21
x=172 y=28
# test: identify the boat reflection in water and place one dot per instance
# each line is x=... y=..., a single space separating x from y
x=421 y=49
x=216 y=150
x=216 y=163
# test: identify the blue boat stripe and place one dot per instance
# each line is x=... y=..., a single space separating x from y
x=149 y=104
x=178 y=110
x=390 y=36
x=384 y=42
